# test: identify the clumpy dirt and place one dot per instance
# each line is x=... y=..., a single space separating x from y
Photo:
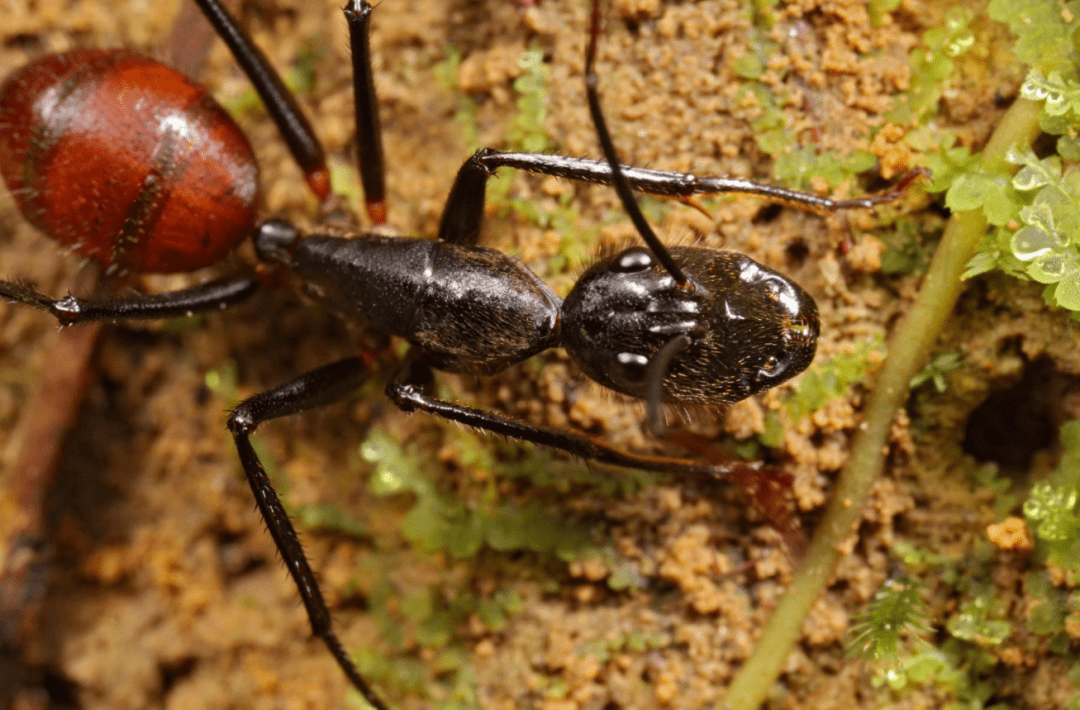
x=166 y=591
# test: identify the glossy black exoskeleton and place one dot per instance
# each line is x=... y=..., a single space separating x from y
x=750 y=327
x=466 y=309
x=681 y=325
x=478 y=311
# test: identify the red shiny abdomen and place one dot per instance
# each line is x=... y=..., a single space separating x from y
x=126 y=160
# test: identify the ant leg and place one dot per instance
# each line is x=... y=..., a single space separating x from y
x=314 y=389
x=369 y=146
x=411 y=387
x=464 y=210
x=212 y=296
x=463 y=213
x=280 y=102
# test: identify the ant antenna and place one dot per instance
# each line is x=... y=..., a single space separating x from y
x=658 y=366
x=654 y=381
x=622 y=187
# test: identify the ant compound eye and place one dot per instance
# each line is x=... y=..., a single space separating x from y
x=776 y=368
x=629 y=369
x=632 y=260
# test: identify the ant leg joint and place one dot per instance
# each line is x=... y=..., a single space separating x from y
x=67 y=310
x=481 y=158
x=274 y=240
x=411 y=386
x=241 y=422
x=358 y=11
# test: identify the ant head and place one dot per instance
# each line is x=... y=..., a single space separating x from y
x=750 y=327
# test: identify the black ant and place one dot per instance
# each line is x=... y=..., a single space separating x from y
x=679 y=325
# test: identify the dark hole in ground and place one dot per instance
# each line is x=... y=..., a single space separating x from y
x=174 y=672
x=1013 y=424
x=767 y=213
x=62 y=693
x=796 y=254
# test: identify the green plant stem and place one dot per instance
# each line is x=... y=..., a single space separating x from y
x=909 y=350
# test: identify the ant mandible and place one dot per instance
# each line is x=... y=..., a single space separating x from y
x=679 y=325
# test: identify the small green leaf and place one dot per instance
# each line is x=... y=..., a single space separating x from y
x=1074 y=674
x=748 y=66
x=1048 y=268
x=395 y=470
x=1030 y=242
x=970 y=191
x=492 y=614
x=465 y=538
x=418 y=605
x=1029 y=178
x=1069 y=435
x=1061 y=95
x=329 y=517
x=425 y=525
x=1069 y=147
x=1067 y=291
x=1050 y=509
x=923 y=667
x=982 y=262
x=1047 y=617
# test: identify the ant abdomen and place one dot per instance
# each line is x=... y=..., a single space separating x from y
x=749 y=327
x=177 y=195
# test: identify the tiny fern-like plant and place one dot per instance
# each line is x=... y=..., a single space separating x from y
x=896 y=610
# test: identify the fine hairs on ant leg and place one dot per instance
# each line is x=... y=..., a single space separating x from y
x=665 y=325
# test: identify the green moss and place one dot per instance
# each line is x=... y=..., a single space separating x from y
x=527 y=132
x=544 y=469
x=897 y=609
x=891 y=633
x=446 y=73
x=932 y=67
x=441 y=522
x=990 y=478
x=1045 y=31
x=1051 y=507
x=940 y=365
x=823 y=381
x=908 y=245
x=796 y=165
x=634 y=641
x=981 y=620
x=828 y=379
x=894 y=633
